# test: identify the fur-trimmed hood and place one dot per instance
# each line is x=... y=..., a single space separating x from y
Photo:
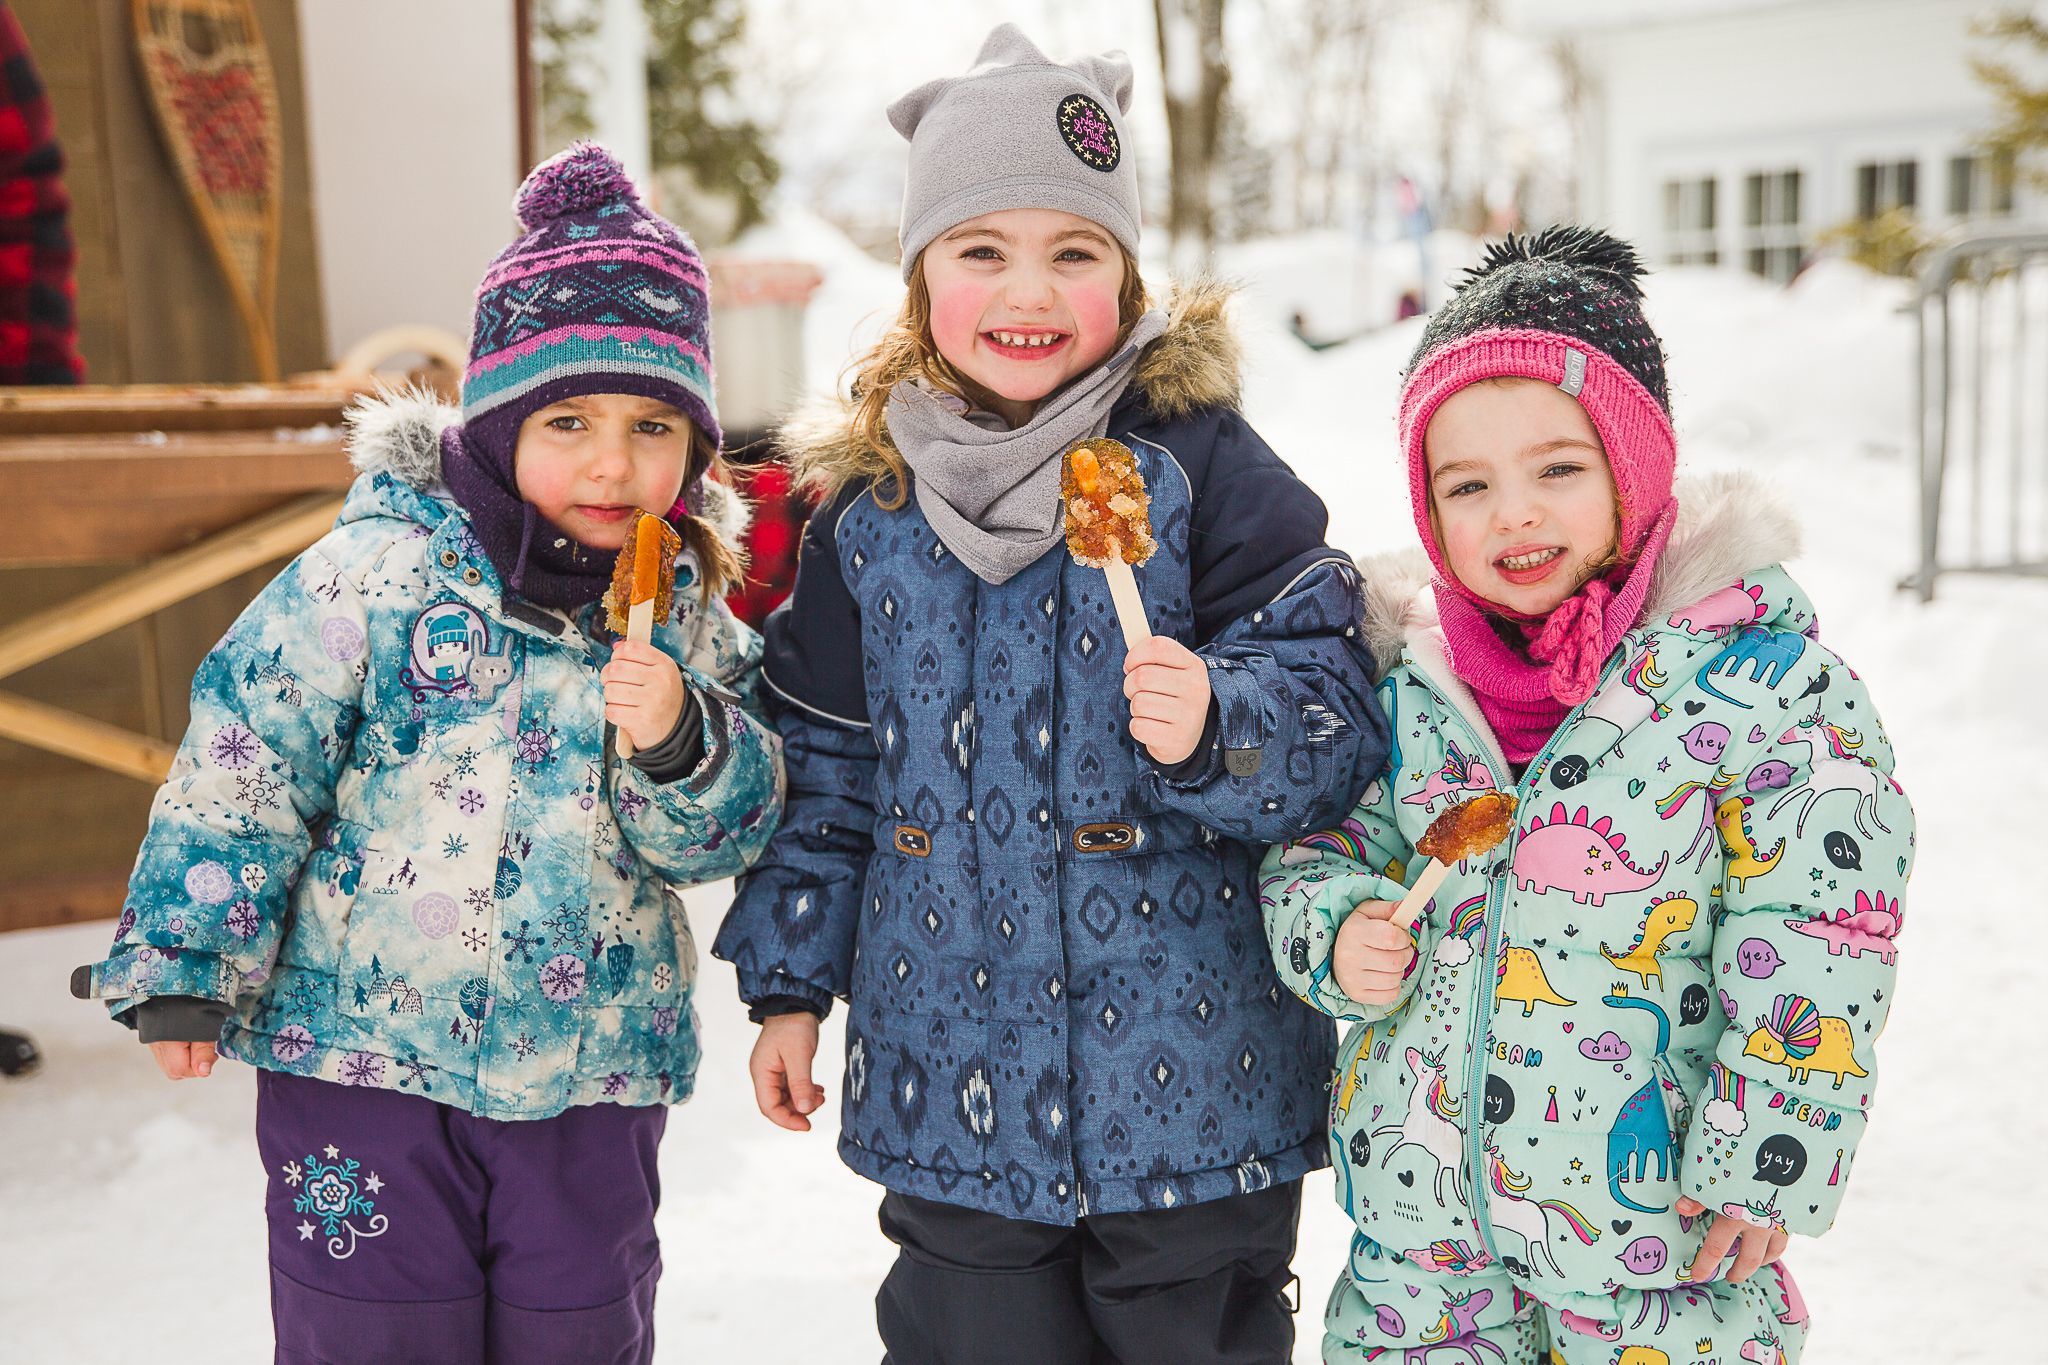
x=398 y=432
x=1195 y=364
x=1729 y=524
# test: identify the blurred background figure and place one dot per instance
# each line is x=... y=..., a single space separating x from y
x=38 y=331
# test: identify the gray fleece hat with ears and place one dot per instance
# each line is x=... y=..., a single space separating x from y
x=1018 y=131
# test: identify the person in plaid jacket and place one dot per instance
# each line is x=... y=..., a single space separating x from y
x=38 y=340
x=38 y=333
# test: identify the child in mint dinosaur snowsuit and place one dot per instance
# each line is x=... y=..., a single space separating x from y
x=1630 y=1049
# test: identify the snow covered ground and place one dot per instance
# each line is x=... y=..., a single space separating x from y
x=130 y=1209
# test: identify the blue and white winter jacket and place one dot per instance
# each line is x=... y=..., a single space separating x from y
x=397 y=843
x=1060 y=1002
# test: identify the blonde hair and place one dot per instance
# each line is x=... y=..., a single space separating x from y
x=907 y=351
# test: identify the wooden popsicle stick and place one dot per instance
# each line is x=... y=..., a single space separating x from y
x=1410 y=908
x=640 y=627
x=1130 y=610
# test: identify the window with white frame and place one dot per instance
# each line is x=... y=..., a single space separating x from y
x=1771 y=241
x=1882 y=186
x=1980 y=185
x=1689 y=221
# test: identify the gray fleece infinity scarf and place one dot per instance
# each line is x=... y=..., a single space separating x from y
x=992 y=493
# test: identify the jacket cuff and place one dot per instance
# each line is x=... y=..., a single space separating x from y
x=139 y=972
x=679 y=754
x=178 y=1019
x=773 y=1006
x=758 y=989
x=1785 y=1166
x=1201 y=765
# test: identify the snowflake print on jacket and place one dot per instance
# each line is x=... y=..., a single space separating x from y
x=388 y=775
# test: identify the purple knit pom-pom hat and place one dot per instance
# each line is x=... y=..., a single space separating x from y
x=598 y=296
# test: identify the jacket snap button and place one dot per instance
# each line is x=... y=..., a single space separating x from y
x=448 y=558
x=471 y=576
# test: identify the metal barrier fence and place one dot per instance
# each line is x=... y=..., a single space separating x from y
x=1982 y=305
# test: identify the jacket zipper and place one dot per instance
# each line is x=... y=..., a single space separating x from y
x=1496 y=904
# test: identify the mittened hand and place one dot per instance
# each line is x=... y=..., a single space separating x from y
x=1168 y=687
x=1371 y=956
x=1754 y=1246
x=643 y=692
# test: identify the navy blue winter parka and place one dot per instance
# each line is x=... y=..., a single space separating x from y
x=1051 y=947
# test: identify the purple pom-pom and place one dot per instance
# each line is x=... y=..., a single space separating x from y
x=582 y=179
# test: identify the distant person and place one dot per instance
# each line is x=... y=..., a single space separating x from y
x=400 y=865
x=38 y=329
x=1410 y=305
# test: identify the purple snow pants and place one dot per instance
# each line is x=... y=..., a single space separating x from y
x=402 y=1230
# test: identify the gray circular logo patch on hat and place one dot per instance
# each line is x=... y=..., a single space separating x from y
x=1088 y=132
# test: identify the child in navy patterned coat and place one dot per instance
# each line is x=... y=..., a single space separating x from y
x=1024 y=854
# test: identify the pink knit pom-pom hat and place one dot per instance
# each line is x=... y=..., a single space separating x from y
x=1564 y=307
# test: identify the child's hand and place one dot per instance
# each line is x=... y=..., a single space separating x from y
x=1756 y=1246
x=643 y=692
x=1168 y=685
x=781 y=1068
x=184 y=1061
x=1371 y=956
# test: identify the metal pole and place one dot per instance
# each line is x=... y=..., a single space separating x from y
x=2016 y=482
x=1979 y=344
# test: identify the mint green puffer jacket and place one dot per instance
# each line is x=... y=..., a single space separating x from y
x=1668 y=981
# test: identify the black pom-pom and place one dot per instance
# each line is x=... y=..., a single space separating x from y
x=1581 y=248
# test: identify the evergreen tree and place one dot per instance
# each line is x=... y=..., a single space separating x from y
x=2022 y=106
x=693 y=104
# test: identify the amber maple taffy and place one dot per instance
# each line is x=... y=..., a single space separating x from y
x=1109 y=524
x=643 y=587
x=1466 y=829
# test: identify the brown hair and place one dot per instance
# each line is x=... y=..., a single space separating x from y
x=723 y=566
x=907 y=350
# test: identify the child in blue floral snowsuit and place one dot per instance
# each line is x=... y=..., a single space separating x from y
x=399 y=864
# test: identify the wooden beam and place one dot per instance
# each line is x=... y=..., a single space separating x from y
x=96 y=499
x=84 y=408
x=156 y=585
x=69 y=899
x=93 y=741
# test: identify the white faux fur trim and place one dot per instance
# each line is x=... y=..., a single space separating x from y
x=398 y=431
x=1729 y=524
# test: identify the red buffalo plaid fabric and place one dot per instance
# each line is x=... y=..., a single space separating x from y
x=771 y=539
x=38 y=330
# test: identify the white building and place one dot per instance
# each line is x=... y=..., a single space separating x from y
x=1734 y=132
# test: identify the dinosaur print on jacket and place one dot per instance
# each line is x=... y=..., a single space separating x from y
x=1635 y=998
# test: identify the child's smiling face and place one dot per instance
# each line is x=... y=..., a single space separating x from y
x=1022 y=300
x=588 y=462
x=1520 y=492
